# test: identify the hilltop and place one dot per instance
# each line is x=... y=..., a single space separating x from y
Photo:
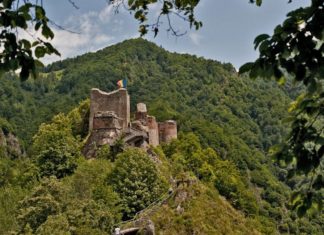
x=226 y=123
x=177 y=81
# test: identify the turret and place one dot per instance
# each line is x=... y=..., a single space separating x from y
x=168 y=131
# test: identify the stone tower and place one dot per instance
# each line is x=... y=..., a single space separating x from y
x=149 y=122
x=168 y=131
x=116 y=101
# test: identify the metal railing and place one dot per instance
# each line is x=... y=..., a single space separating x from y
x=146 y=211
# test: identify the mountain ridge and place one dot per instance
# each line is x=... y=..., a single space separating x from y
x=235 y=116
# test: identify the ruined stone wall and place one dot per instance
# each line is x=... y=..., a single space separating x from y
x=105 y=120
x=110 y=120
x=101 y=123
x=105 y=130
x=167 y=131
x=153 y=131
x=141 y=113
x=116 y=101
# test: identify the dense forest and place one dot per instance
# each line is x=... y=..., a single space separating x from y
x=227 y=123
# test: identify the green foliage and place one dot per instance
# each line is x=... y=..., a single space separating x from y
x=163 y=111
x=88 y=182
x=5 y=126
x=90 y=215
x=234 y=121
x=43 y=202
x=17 y=172
x=117 y=148
x=214 y=96
x=55 y=148
x=94 y=206
x=82 y=202
x=110 y=152
x=56 y=162
x=204 y=212
x=295 y=52
x=209 y=167
x=295 y=49
x=6 y=171
x=9 y=200
x=79 y=118
x=104 y=152
x=26 y=173
x=56 y=134
x=21 y=53
x=135 y=178
x=79 y=204
x=54 y=225
x=184 y=8
x=230 y=184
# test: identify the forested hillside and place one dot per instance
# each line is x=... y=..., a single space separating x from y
x=181 y=83
x=227 y=124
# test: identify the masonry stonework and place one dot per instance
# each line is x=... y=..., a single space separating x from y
x=110 y=120
x=116 y=101
x=141 y=112
x=153 y=131
x=167 y=131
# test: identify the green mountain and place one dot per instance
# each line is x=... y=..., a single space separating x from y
x=231 y=118
x=203 y=89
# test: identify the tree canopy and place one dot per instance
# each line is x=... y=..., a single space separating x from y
x=233 y=121
x=20 y=53
x=294 y=53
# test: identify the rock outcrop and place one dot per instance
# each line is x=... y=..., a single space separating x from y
x=9 y=145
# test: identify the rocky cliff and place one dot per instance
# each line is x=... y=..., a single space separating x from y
x=9 y=143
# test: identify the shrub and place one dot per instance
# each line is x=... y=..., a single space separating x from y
x=135 y=179
x=104 y=152
x=90 y=216
x=45 y=200
x=55 y=147
x=54 y=225
x=56 y=162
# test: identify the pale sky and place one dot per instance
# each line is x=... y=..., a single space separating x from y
x=229 y=27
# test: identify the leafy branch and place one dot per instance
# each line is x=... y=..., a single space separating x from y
x=21 y=53
x=184 y=9
x=295 y=52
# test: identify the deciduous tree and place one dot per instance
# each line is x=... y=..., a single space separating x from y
x=136 y=180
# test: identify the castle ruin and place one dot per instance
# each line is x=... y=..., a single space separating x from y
x=110 y=120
